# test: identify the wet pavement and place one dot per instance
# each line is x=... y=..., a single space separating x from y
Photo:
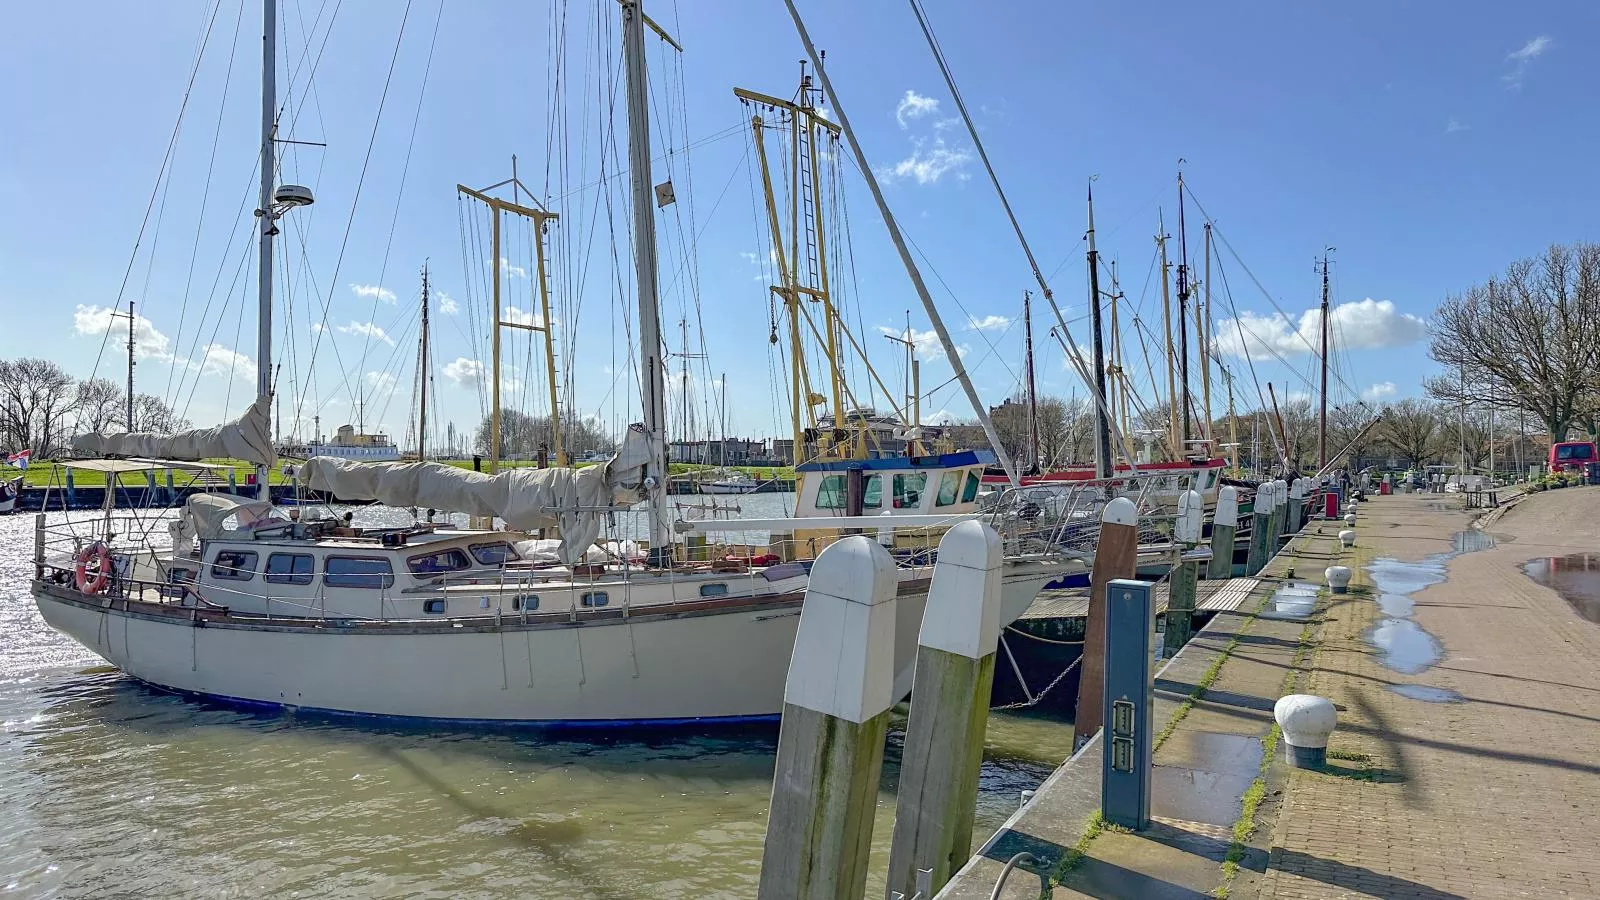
x=1576 y=577
x=1427 y=693
x=1402 y=644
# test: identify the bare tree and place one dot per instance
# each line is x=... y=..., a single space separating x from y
x=1411 y=427
x=35 y=397
x=1528 y=338
x=1351 y=432
x=524 y=435
x=151 y=413
x=100 y=406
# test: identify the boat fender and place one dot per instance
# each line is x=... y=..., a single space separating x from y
x=95 y=582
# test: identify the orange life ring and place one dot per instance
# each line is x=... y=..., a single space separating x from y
x=93 y=582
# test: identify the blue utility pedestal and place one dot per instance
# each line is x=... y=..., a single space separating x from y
x=1129 y=736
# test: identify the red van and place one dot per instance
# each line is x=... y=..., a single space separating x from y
x=1572 y=455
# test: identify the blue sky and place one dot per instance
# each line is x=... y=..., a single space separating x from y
x=1430 y=144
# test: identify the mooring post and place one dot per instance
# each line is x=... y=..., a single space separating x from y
x=835 y=716
x=1115 y=556
x=172 y=492
x=150 y=487
x=1224 y=530
x=72 y=490
x=38 y=547
x=938 y=791
x=233 y=481
x=1260 y=522
x=1186 y=572
x=1297 y=506
x=1280 y=515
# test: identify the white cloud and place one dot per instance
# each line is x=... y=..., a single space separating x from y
x=149 y=343
x=366 y=329
x=914 y=106
x=380 y=382
x=1453 y=126
x=465 y=371
x=448 y=304
x=373 y=291
x=928 y=162
x=942 y=417
x=988 y=323
x=219 y=360
x=1380 y=391
x=1522 y=58
x=513 y=316
x=1361 y=325
x=507 y=269
x=926 y=343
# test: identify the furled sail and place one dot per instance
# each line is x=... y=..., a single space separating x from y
x=574 y=500
x=249 y=439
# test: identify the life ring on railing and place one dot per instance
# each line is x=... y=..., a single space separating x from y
x=93 y=580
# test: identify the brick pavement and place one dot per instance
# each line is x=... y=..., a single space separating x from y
x=1497 y=795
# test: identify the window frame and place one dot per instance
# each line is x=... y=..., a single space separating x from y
x=234 y=571
x=835 y=488
x=586 y=599
x=952 y=478
x=461 y=555
x=900 y=492
x=969 y=493
x=291 y=576
x=339 y=579
x=714 y=584
x=510 y=554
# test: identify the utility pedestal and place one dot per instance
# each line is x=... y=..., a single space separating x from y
x=1129 y=737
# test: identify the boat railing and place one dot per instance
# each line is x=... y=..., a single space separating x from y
x=1062 y=518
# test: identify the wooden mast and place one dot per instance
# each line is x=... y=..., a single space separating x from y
x=1166 y=320
x=1322 y=410
x=1102 y=420
x=1035 y=462
x=422 y=375
x=1203 y=325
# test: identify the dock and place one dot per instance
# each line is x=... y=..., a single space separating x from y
x=1464 y=768
x=1210 y=597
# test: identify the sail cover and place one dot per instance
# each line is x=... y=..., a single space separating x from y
x=575 y=500
x=249 y=439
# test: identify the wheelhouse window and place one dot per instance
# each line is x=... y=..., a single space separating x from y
x=908 y=490
x=595 y=598
x=949 y=489
x=830 y=492
x=496 y=553
x=438 y=562
x=234 y=565
x=872 y=492
x=970 y=492
x=357 y=572
x=289 y=568
x=528 y=602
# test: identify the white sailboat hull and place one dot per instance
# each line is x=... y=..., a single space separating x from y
x=649 y=668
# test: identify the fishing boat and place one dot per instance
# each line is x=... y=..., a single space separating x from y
x=732 y=483
x=238 y=601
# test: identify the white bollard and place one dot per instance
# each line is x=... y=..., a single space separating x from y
x=1350 y=519
x=1347 y=538
x=1338 y=578
x=1306 y=721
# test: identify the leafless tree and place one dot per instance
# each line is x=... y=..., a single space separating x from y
x=100 y=406
x=1353 y=433
x=523 y=435
x=151 y=413
x=1528 y=338
x=35 y=397
x=1412 y=428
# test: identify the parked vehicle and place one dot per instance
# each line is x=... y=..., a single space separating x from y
x=1573 y=455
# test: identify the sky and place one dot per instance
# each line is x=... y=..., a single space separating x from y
x=1428 y=145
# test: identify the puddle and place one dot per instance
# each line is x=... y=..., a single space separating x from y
x=1576 y=578
x=1294 y=601
x=1405 y=646
x=1427 y=693
x=1207 y=775
x=1396 y=605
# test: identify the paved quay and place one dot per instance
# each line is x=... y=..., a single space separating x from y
x=1464 y=764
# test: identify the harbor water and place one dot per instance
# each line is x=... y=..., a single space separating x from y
x=110 y=788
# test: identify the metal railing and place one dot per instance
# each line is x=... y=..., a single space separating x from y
x=1062 y=518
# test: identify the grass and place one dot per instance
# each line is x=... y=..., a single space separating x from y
x=1075 y=854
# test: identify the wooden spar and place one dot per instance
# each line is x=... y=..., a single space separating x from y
x=1166 y=320
x=1183 y=320
x=1322 y=410
x=1103 y=463
x=1204 y=327
x=1033 y=395
x=1283 y=434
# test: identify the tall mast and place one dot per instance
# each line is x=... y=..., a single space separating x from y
x=1102 y=421
x=269 y=108
x=1203 y=328
x=1183 y=314
x=652 y=379
x=131 y=323
x=1118 y=386
x=423 y=370
x=1033 y=394
x=1322 y=412
x=1166 y=320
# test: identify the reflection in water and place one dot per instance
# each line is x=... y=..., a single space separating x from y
x=1575 y=577
x=1403 y=645
x=109 y=787
x=1427 y=693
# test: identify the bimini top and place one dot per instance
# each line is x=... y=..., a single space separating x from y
x=938 y=461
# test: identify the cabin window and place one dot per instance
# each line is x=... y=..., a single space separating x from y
x=434 y=607
x=234 y=565
x=289 y=568
x=528 y=602
x=872 y=492
x=451 y=560
x=493 y=554
x=908 y=490
x=357 y=572
x=1573 y=451
x=970 y=493
x=717 y=589
x=595 y=598
x=830 y=492
x=949 y=488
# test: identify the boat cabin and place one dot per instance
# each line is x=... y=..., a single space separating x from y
x=891 y=486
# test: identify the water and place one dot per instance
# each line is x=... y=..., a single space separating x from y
x=1575 y=577
x=1402 y=644
x=111 y=788
x=1427 y=693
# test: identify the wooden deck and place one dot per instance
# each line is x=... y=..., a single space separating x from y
x=1210 y=596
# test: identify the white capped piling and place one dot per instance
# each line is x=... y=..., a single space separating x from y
x=1115 y=556
x=1280 y=514
x=1347 y=538
x=1338 y=579
x=1224 y=530
x=1185 y=572
x=1260 y=521
x=938 y=790
x=835 y=716
x=1306 y=721
x=1297 y=505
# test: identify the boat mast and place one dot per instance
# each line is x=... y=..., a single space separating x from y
x=1183 y=318
x=1322 y=412
x=269 y=227
x=1118 y=386
x=422 y=374
x=1102 y=420
x=1203 y=328
x=651 y=377
x=1033 y=394
x=1166 y=320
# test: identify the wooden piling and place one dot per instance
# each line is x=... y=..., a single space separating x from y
x=1260 y=536
x=1115 y=556
x=1224 y=530
x=938 y=791
x=1297 y=506
x=1185 y=571
x=835 y=717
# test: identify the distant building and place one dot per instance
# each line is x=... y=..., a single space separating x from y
x=347 y=444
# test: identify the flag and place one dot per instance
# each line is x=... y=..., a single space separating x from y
x=20 y=459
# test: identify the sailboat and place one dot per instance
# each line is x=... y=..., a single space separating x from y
x=425 y=621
